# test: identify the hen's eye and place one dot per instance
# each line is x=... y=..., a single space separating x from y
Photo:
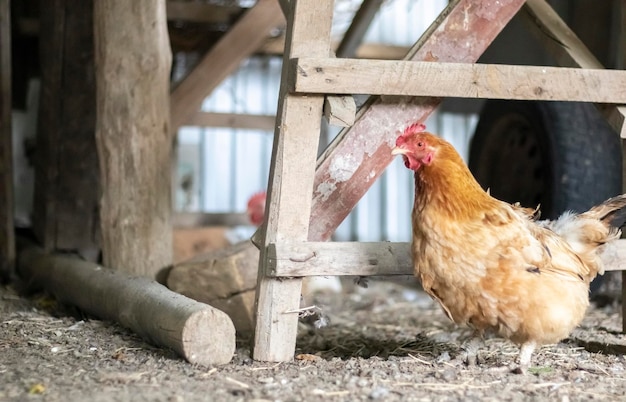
x=420 y=144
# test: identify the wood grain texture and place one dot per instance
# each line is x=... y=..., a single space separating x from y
x=243 y=121
x=290 y=185
x=133 y=62
x=66 y=170
x=7 y=238
x=460 y=80
x=360 y=154
x=367 y=258
x=241 y=41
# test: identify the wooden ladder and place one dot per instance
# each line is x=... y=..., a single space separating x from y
x=307 y=201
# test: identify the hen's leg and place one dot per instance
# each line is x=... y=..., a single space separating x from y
x=525 y=353
x=471 y=348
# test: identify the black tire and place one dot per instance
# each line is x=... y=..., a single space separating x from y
x=560 y=155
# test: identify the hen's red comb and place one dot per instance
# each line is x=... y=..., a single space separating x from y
x=256 y=198
x=414 y=128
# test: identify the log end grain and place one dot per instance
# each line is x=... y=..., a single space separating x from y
x=208 y=338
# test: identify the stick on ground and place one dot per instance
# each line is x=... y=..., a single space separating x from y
x=196 y=331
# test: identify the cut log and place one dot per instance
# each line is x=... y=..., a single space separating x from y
x=133 y=60
x=198 y=332
x=225 y=279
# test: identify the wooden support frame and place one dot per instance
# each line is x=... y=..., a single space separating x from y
x=285 y=254
x=292 y=172
x=365 y=259
x=459 y=80
x=7 y=236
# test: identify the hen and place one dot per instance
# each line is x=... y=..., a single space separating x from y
x=489 y=264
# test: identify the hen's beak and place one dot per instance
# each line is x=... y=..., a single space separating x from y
x=398 y=151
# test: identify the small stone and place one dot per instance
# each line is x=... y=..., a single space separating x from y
x=378 y=393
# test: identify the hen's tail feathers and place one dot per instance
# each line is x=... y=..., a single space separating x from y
x=611 y=211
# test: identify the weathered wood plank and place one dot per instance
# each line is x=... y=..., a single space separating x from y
x=340 y=111
x=290 y=259
x=275 y=46
x=622 y=41
x=359 y=154
x=66 y=196
x=290 y=185
x=241 y=41
x=133 y=62
x=199 y=219
x=461 y=80
x=7 y=237
x=244 y=121
x=569 y=50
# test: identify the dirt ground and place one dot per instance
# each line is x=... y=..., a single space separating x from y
x=388 y=342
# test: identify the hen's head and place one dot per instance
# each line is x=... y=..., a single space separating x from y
x=256 y=208
x=417 y=147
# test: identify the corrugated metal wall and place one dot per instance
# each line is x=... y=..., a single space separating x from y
x=227 y=166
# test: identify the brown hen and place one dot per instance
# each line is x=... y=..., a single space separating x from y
x=490 y=264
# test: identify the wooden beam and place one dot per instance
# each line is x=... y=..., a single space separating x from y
x=198 y=219
x=460 y=80
x=622 y=46
x=292 y=171
x=275 y=46
x=367 y=144
x=133 y=61
x=356 y=31
x=65 y=207
x=339 y=258
x=569 y=50
x=196 y=331
x=201 y=12
x=233 y=120
x=290 y=259
x=7 y=239
x=241 y=41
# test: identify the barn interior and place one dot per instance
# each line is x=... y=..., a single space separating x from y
x=146 y=138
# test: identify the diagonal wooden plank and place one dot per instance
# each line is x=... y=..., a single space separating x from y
x=359 y=154
x=460 y=80
x=358 y=28
x=243 y=39
x=569 y=50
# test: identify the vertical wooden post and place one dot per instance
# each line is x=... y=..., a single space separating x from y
x=622 y=65
x=133 y=59
x=291 y=178
x=66 y=172
x=7 y=240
